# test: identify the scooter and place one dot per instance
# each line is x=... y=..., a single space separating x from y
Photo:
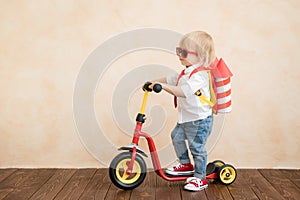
x=128 y=169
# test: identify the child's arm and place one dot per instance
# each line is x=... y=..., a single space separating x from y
x=174 y=90
x=160 y=80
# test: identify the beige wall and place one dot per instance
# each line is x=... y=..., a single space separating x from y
x=45 y=43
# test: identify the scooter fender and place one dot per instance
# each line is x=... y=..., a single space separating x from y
x=131 y=146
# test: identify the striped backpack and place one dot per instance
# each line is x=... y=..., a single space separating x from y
x=219 y=85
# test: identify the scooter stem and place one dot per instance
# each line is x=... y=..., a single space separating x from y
x=142 y=110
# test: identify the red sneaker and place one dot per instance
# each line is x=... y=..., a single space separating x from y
x=181 y=169
x=196 y=184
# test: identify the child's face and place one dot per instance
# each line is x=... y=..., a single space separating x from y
x=188 y=57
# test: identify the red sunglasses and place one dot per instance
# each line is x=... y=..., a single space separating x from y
x=184 y=53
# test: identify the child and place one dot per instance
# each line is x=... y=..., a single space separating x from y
x=194 y=118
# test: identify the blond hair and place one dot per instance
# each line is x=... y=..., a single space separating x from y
x=202 y=43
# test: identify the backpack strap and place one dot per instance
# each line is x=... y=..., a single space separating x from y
x=179 y=77
x=203 y=98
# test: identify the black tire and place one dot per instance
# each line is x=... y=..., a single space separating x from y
x=227 y=174
x=214 y=166
x=117 y=171
x=219 y=163
x=210 y=168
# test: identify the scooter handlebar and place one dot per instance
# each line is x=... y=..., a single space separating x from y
x=148 y=87
x=157 y=87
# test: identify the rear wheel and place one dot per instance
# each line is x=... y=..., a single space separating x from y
x=227 y=174
x=118 y=171
x=219 y=163
x=210 y=168
x=214 y=166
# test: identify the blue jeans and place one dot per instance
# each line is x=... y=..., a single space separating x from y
x=196 y=133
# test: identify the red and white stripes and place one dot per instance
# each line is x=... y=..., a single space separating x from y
x=223 y=86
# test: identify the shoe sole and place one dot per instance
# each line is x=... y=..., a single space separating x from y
x=180 y=173
x=196 y=190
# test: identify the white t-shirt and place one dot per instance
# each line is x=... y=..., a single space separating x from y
x=190 y=108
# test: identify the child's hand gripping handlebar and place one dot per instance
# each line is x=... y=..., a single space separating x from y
x=149 y=87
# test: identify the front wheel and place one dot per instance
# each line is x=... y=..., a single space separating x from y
x=119 y=166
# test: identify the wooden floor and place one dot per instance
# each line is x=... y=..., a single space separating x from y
x=72 y=184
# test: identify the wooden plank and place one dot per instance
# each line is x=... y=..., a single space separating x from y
x=5 y=192
x=95 y=184
x=4 y=173
x=225 y=191
x=98 y=186
x=146 y=191
x=36 y=178
x=240 y=189
x=261 y=187
x=293 y=175
x=189 y=195
x=76 y=185
x=296 y=182
x=213 y=192
x=117 y=193
x=168 y=190
x=13 y=181
x=281 y=183
x=50 y=189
